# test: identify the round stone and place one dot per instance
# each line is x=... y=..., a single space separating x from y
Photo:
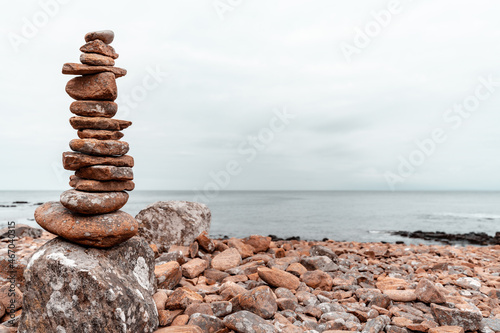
x=104 y=230
x=106 y=36
x=101 y=87
x=93 y=202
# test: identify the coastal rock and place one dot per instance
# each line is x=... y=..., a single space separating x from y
x=99 y=186
x=205 y=242
x=101 y=86
x=99 y=134
x=107 y=36
x=105 y=172
x=318 y=280
x=259 y=243
x=74 y=161
x=465 y=316
x=427 y=292
x=227 y=259
x=9 y=295
x=92 y=230
x=81 y=69
x=247 y=322
x=99 y=147
x=94 y=108
x=278 y=278
x=99 y=123
x=180 y=329
x=168 y=275
x=260 y=300
x=93 y=203
x=447 y=329
x=95 y=59
x=401 y=295
x=167 y=223
x=194 y=267
x=207 y=323
x=181 y=298
x=322 y=263
x=98 y=46
x=67 y=284
x=21 y=230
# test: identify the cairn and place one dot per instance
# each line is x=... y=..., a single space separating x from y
x=89 y=213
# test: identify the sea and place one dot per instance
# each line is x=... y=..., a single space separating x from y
x=311 y=215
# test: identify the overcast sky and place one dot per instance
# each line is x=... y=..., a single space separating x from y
x=263 y=94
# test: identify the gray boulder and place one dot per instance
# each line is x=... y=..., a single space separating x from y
x=167 y=223
x=75 y=289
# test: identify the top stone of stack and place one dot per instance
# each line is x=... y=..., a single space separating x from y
x=106 y=36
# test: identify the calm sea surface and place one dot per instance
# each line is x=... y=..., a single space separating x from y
x=343 y=216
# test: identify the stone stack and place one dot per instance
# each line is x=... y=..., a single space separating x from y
x=89 y=214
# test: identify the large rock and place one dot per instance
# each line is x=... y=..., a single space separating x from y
x=73 y=289
x=167 y=223
x=100 y=86
x=92 y=230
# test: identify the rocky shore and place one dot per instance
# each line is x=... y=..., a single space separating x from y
x=256 y=284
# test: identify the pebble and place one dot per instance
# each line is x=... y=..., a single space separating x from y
x=94 y=108
x=98 y=46
x=105 y=172
x=74 y=160
x=82 y=69
x=101 y=86
x=95 y=59
x=93 y=202
x=99 y=134
x=89 y=185
x=106 y=36
x=99 y=123
x=99 y=147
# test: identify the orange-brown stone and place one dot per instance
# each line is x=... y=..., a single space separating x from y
x=100 y=186
x=95 y=59
x=107 y=36
x=81 y=69
x=98 y=46
x=104 y=109
x=74 y=161
x=99 y=134
x=99 y=123
x=101 y=86
x=103 y=230
x=105 y=172
x=99 y=147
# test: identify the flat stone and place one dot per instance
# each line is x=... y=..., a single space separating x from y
x=72 y=288
x=247 y=322
x=181 y=329
x=100 y=86
x=260 y=300
x=168 y=275
x=401 y=295
x=105 y=172
x=98 y=46
x=194 y=268
x=167 y=223
x=81 y=69
x=465 y=316
x=181 y=298
x=99 y=147
x=94 y=108
x=93 y=203
x=74 y=161
x=99 y=123
x=106 y=36
x=99 y=134
x=278 y=278
x=99 y=186
x=92 y=230
x=95 y=59
x=227 y=259
x=206 y=322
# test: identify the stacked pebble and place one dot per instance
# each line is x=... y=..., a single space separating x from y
x=89 y=214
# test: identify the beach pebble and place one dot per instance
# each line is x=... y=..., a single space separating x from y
x=94 y=108
x=101 y=86
x=106 y=36
x=74 y=161
x=99 y=123
x=100 y=186
x=99 y=147
x=99 y=134
x=98 y=46
x=105 y=172
x=82 y=69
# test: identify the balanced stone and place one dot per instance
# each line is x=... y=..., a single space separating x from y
x=92 y=230
x=93 y=202
x=94 y=108
x=99 y=123
x=81 y=69
x=100 y=186
x=98 y=46
x=74 y=161
x=99 y=134
x=100 y=86
x=106 y=36
x=105 y=172
x=99 y=147
x=95 y=59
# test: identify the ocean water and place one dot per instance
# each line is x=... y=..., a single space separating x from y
x=312 y=215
